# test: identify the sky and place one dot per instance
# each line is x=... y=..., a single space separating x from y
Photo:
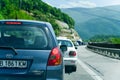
x=81 y=3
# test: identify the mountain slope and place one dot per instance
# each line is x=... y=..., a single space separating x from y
x=34 y=10
x=95 y=21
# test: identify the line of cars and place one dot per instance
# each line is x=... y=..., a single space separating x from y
x=29 y=50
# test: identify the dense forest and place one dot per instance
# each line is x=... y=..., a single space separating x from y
x=34 y=10
x=105 y=39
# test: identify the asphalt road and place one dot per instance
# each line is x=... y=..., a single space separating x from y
x=80 y=74
x=92 y=66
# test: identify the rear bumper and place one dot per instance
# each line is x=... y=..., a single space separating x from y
x=20 y=77
x=55 y=72
x=29 y=77
x=52 y=73
x=70 y=61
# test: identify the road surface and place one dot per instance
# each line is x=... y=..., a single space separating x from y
x=92 y=66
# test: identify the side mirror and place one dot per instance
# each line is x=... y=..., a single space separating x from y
x=76 y=47
x=63 y=48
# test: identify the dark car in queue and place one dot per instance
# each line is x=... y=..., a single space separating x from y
x=29 y=51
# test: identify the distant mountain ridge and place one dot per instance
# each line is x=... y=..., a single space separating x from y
x=95 y=21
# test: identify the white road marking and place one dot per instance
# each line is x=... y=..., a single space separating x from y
x=92 y=73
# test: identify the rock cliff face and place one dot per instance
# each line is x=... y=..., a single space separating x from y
x=67 y=32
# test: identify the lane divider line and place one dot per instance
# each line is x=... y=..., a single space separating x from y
x=92 y=73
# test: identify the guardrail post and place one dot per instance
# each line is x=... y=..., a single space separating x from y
x=116 y=56
x=113 y=55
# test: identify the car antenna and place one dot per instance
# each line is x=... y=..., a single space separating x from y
x=16 y=17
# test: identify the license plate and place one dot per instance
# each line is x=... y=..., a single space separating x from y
x=13 y=64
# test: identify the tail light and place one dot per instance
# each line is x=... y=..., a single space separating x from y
x=55 y=57
x=72 y=53
x=13 y=23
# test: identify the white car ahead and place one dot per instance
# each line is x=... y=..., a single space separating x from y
x=70 y=56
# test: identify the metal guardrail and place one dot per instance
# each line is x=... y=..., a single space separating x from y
x=110 y=52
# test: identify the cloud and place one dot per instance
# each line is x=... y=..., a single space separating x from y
x=115 y=2
x=47 y=2
x=85 y=4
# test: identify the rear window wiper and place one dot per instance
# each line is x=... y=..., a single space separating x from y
x=8 y=48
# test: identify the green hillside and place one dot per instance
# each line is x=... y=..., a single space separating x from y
x=34 y=10
x=95 y=21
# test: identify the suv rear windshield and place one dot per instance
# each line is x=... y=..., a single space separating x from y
x=23 y=37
